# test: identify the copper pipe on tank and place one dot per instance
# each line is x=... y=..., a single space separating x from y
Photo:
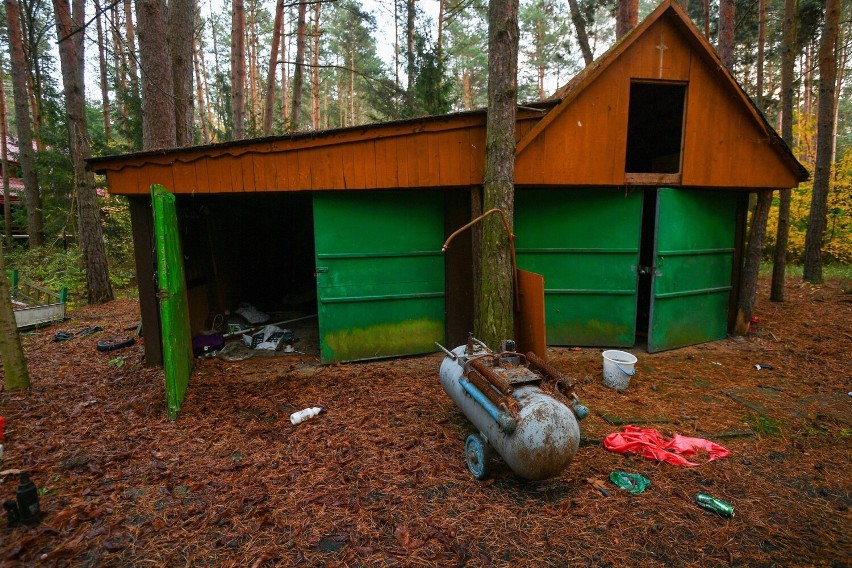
x=548 y=370
x=491 y=377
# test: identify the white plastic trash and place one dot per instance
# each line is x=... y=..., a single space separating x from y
x=306 y=414
x=618 y=368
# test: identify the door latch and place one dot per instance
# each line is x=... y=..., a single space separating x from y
x=321 y=270
x=645 y=270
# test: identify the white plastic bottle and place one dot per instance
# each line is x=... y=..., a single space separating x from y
x=302 y=415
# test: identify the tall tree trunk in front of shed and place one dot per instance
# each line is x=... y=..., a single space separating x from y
x=32 y=195
x=181 y=34
x=158 y=109
x=269 y=102
x=782 y=233
x=628 y=17
x=238 y=70
x=582 y=35
x=494 y=314
x=754 y=250
x=11 y=352
x=825 y=127
x=88 y=212
x=761 y=41
x=727 y=24
x=298 y=72
x=707 y=20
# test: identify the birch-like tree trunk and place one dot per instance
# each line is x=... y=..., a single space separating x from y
x=298 y=72
x=32 y=196
x=494 y=313
x=411 y=12
x=269 y=102
x=825 y=127
x=11 y=352
x=238 y=70
x=89 y=229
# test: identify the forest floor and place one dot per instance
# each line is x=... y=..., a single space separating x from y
x=380 y=478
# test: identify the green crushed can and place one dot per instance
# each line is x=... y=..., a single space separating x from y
x=714 y=505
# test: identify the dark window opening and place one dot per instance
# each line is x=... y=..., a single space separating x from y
x=655 y=128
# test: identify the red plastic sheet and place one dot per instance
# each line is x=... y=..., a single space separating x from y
x=654 y=446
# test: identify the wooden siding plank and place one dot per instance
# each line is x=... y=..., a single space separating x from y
x=366 y=155
x=246 y=167
x=261 y=177
x=387 y=163
x=202 y=176
x=424 y=170
x=434 y=142
x=448 y=147
x=304 y=170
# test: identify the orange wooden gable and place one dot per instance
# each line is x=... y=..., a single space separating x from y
x=726 y=144
x=446 y=151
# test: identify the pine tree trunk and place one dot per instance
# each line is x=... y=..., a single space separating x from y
x=131 y=49
x=754 y=250
x=726 y=33
x=11 y=352
x=158 y=109
x=409 y=46
x=4 y=158
x=269 y=102
x=761 y=41
x=707 y=20
x=315 y=69
x=494 y=312
x=782 y=234
x=825 y=127
x=181 y=14
x=628 y=17
x=580 y=25
x=238 y=70
x=32 y=196
x=88 y=212
x=103 y=77
x=251 y=40
x=298 y=73
x=199 y=91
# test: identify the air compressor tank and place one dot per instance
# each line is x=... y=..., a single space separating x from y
x=502 y=395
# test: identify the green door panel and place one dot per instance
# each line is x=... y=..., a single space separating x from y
x=692 y=267
x=174 y=309
x=380 y=273
x=586 y=245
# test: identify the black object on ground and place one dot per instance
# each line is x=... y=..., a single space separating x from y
x=114 y=343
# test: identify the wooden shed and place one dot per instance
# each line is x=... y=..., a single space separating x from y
x=631 y=196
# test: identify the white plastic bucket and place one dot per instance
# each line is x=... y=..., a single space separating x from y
x=618 y=368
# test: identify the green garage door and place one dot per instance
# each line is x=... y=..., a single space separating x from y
x=692 y=267
x=586 y=244
x=380 y=273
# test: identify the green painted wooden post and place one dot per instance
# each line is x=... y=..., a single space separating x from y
x=174 y=309
x=380 y=273
x=692 y=267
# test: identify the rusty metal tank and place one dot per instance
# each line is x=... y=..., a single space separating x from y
x=502 y=395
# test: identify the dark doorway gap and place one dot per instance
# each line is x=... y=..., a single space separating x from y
x=655 y=128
